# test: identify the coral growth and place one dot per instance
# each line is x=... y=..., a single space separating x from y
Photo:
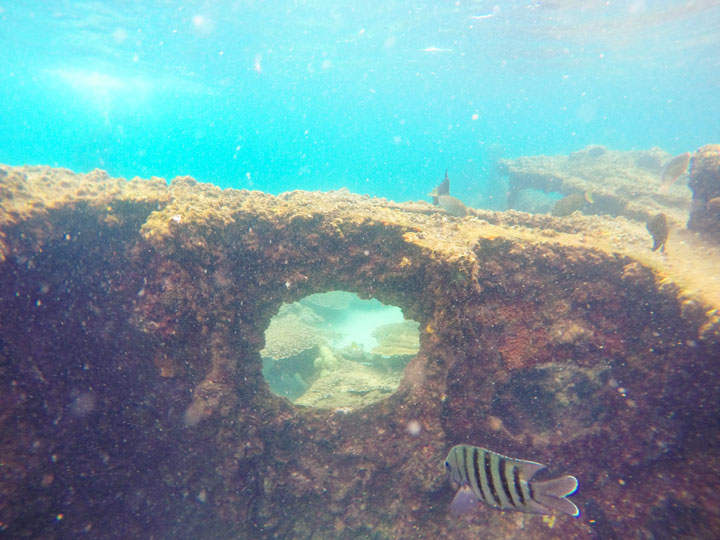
x=397 y=339
x=326 y=361
x=288 y=336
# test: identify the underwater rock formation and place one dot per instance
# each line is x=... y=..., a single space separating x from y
x=133 y=405
x=705 y=185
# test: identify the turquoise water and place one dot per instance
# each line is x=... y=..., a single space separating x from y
x=378 y=97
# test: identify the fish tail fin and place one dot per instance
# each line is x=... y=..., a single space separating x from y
x=552 y=493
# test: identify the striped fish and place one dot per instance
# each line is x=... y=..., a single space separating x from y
x=503 y=482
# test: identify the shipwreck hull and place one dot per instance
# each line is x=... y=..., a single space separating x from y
x=132 y=401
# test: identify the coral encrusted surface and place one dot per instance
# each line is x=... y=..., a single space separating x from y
x=133 y=405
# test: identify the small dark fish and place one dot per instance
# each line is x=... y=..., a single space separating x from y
x=672 y=170
x=480 y=475
x=571 y=203
x=657 y=226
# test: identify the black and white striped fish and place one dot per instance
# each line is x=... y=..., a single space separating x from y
x=503 y=482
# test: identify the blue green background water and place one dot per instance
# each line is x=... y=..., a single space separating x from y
x=378 y=97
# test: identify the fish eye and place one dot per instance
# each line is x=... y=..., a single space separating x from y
x=447 y=465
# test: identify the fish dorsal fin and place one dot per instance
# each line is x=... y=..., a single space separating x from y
x=444 y=186
x=528 y=469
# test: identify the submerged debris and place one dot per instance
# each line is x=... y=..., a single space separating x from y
x=563 y=346
x=626 y=183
